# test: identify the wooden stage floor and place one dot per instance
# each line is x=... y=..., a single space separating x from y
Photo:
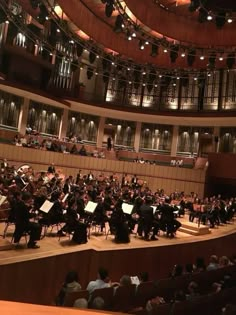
x=50 y=246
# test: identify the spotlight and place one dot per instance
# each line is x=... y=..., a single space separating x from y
x=165 y=50
x=141 y=44
x=118 y=24
x=221 y=58
x=154 y=50
x=202 y=57
x=109 y=8
x=230 y=60
x=195 y=79
x=209 y=17
x=220 y=19
x=183 y=54
x=129 y=35
x=229 y=20
x=191 y=57
x=146 y=42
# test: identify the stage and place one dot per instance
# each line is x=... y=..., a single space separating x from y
x=45 y=268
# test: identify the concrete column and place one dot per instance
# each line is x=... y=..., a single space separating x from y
x=137 y=136
x=100 y=134
x=174 y=141
x=23 y=117
x=216 y=139
x=63 y=124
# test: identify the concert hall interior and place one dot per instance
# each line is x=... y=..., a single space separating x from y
x=117 y=156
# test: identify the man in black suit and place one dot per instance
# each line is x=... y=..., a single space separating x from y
x=147 y=222
x=23 y=223
x=168 y=223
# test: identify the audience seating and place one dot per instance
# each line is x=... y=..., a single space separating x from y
x=71 y=297
x=144 y=292
x=106 y=294
x=124 y=298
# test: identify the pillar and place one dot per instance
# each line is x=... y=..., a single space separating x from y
x=137 y=136
x=174 y=141
x=23 y=117
x=100 y=134
x=64 y=124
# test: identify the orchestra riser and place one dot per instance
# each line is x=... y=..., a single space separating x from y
x=193 y=228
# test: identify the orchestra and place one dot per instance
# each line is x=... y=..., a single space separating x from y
x=27 y=191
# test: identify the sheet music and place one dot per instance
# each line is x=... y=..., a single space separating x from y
x=90 y=207
x=154 y=209
x=2 y=199
x=46 y=206
x=127 y=208
x=65 y=197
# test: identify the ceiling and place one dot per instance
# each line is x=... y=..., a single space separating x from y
x=157 y=19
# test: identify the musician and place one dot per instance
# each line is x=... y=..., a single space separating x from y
x=147 y=222
x=51 y=169
x=73 y=224
x=134 y=181
x=55 y=214
x=23 y=223
x=118 y=224
x=4 y=165
x=168 y=223
x=67 y=188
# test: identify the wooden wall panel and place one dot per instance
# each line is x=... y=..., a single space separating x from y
x=156 y=176
x=48 y=273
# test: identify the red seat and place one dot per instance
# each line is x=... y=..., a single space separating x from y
x=124 y=298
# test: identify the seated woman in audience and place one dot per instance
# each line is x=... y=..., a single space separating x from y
x=71 y=284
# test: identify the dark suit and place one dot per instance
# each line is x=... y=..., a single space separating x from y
x=23 y=224
x=168 y=222
x=147 y=222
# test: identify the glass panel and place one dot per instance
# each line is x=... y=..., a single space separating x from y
x=10 y=106
x=82 y=126
x=44 y=118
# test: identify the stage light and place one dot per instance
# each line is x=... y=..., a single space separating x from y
x=146 y=42
x=229 y=20
x=191 y=57
x=221 y=58
x=154 y=50
x=141 y=44
x=119 y=24
x=183 y=54
x=202 y=57
x=165 y=50
x=209 y=17
x=130 y=82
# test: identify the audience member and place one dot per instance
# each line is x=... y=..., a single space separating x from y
x=102 y=281
x=71 y=284
x=213 y=264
